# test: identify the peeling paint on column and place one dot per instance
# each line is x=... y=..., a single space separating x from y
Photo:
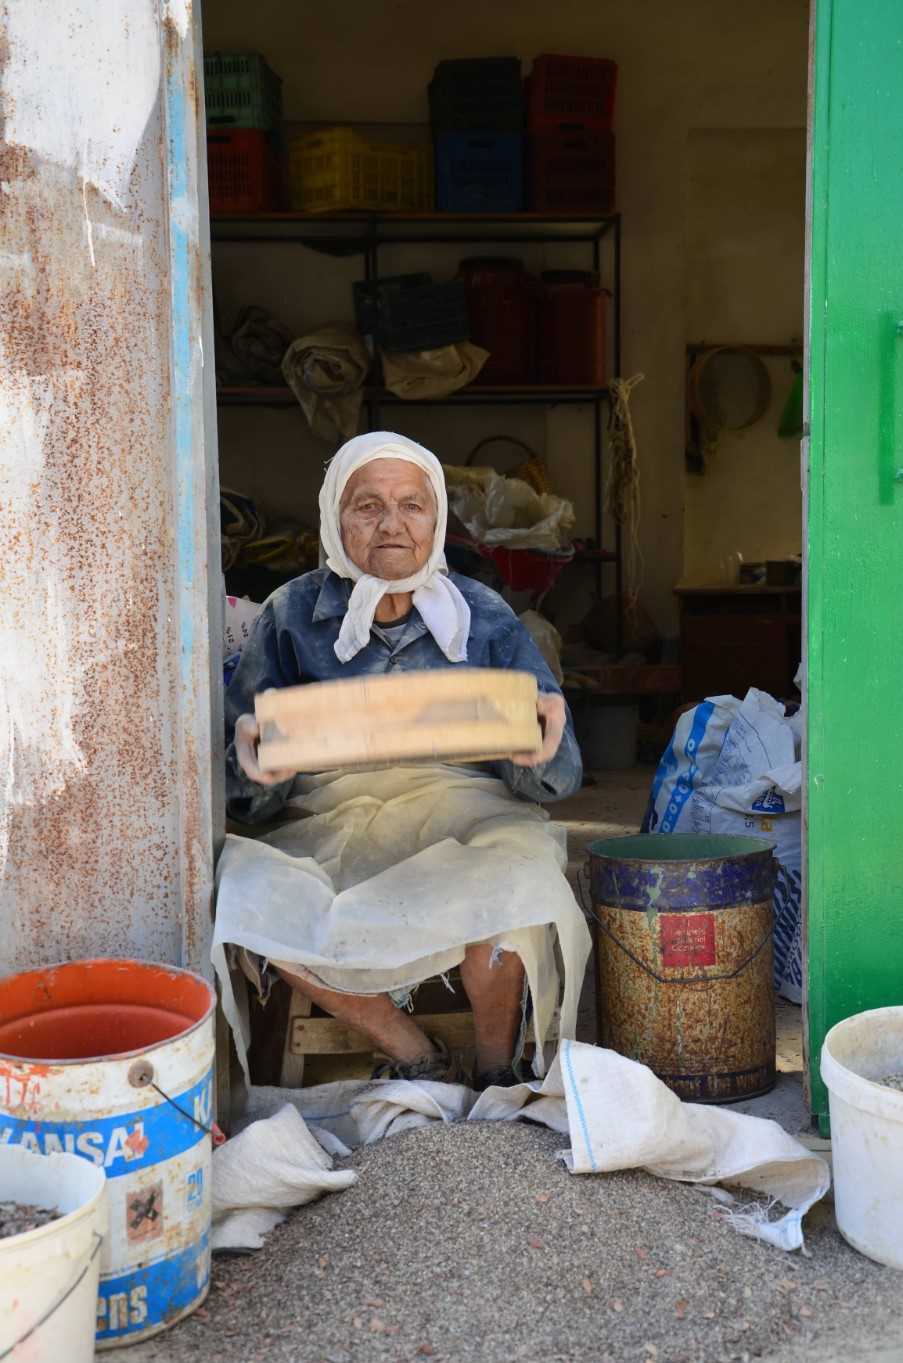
x=105 y=729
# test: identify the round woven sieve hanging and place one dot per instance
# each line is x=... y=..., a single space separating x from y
x=729 y=390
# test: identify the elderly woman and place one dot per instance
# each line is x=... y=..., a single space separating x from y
x=397 y=875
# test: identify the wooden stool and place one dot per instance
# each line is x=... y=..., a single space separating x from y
x=320 y=1050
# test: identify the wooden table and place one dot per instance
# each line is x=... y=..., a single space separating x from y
x=732 y=638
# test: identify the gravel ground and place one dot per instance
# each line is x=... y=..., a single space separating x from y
x=469 y=1244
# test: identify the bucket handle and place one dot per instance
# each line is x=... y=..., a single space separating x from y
x=214 y=1131
x=584 y=895
x=141 y=1075
x=691 y=979
x=32 y=1329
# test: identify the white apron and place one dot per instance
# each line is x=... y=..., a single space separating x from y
x=391 y=876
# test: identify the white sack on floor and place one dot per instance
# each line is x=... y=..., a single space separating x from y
x=621 y=1116
x=735 y=766
x=617 y=1114
x=388 y=879
x=270 y=1166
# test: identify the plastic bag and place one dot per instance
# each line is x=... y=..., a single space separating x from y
x=507 y=511
x=432 y=373
x=239 y=616
x=547 y=639
x=734 y=767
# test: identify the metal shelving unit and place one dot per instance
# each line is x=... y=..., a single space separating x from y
x=366 y=233
x=477 y=395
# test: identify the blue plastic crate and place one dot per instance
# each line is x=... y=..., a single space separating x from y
x=479 y=172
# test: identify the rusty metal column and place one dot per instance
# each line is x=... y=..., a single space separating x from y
x=109 y=577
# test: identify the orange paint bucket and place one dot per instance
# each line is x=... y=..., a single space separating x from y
x=112 y=1060
x=97 y=1008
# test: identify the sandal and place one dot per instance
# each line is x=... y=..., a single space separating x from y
x=442 y=1068
x=500 y=1076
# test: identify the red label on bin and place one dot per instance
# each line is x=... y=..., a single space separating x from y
x=687 y=939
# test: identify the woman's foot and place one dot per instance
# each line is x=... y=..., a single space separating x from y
x=499 y=1076
x=437 y=1068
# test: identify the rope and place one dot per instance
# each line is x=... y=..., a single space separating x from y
x=622 y=484
x=11 y=1349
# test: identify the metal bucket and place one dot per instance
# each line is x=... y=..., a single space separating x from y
x=113 y=1060
x=683 y=944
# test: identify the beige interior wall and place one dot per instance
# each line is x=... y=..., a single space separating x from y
x=745 y=244
x=699 y=64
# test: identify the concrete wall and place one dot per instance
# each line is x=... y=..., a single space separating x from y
x=745 y=246
x=697 y=65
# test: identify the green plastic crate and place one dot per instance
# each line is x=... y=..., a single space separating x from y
x=241 y=91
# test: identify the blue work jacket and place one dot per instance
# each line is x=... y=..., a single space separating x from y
x=293 y=642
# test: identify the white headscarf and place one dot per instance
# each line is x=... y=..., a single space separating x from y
x=442 y=607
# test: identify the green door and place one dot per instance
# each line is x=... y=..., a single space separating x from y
x=855 y=520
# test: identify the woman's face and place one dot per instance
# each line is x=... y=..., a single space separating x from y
x=388 y=518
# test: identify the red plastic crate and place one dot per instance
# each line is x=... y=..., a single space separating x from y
x=572 y=329
x=576 y=91
x=572 y=170
x=244 y=170
x=501 y=302
x=528 y=570
x=523 y=570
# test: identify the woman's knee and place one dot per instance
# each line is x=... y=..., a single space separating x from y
x=339 y=1004
x=487 y=969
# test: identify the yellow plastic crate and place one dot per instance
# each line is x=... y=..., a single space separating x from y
x=337 y=169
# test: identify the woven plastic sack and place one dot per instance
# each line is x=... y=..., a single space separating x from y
x=257 y=1175
x=733 y=767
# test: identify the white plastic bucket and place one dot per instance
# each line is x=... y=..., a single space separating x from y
x=867 y=1131
x=48 y=1276
x=113 y=1060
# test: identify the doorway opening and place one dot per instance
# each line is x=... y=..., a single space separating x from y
x=689 y=247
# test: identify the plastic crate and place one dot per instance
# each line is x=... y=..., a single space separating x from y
x=572 y=171
x=411 y=312
x=572 y=91
x=572 y=314
x=528 y=570
x=501 y=302
x=337 y=169
x=479 y=172
x=241 y=91
x=244 y=170
x=481 y=95
x=367 y=293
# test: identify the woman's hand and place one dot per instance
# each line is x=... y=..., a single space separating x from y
x=552 y=716
x=247 y=736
